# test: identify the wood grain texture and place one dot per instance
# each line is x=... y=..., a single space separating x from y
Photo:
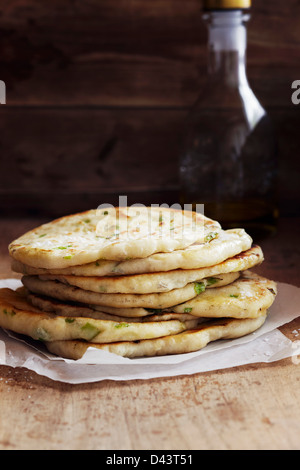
x=125 y=53
x=234 y=409
x=67 y=160
x=97 y=93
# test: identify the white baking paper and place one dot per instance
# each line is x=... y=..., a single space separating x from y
x=267 y=344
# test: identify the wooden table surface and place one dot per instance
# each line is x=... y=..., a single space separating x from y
x=248 y=407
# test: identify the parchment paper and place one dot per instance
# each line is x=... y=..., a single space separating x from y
x=267 y=344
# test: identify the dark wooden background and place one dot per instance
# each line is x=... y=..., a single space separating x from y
x=98 y=90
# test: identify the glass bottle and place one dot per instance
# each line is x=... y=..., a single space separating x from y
x=228 y=162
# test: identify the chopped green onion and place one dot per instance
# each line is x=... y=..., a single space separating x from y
x=211 y=236
x=122 y=325
x=7 y=312
x=187 y=309
x=199 y=287
x=42 y=335
x=212 y=280
x=90 y=330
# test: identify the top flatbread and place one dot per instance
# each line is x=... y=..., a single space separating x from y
x=227 y=244
x=112 y=233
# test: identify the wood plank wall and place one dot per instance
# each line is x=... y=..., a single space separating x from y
x=98 y=90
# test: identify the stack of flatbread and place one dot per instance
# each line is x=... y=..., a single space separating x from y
x=135 y=281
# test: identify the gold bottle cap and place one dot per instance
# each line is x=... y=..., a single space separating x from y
x=226 y=4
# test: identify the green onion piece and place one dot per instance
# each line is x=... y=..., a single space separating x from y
x=212 y=280
x=7 y=312
x=42 y=335
x=211 y=236
x=90 y=330
x=122 y=325
x=199 y=287
x=187 y=309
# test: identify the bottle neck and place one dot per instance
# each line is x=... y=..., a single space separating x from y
x=227 y=43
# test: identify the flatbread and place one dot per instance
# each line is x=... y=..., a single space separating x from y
x=246 y=297
x=181 y=343
x=17 y=315
x=37 y=298
x=225 y=245
x=149 y=283
x=46 y=304
x=114 y=234
x=159 y=300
